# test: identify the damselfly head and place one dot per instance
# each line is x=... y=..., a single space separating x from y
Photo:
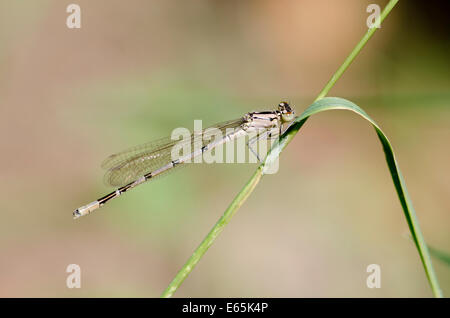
x=287 y=114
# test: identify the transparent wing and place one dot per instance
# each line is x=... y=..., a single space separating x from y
x=131 y=164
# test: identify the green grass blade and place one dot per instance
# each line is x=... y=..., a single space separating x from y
x=333 y=103
x=370 y=32
x=440 y=255
x=212 y=235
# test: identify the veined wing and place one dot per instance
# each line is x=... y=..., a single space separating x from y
x=131 y=164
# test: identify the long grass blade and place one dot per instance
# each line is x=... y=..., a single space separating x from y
x=333 y=103
x=274 y=153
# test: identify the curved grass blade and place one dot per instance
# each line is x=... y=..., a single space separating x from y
x=275 y=151
x=333 y=103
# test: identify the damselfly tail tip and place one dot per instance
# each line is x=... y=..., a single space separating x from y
x=76 y=214
x=84 y=210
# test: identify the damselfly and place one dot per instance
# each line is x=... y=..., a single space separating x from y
x=139 y=164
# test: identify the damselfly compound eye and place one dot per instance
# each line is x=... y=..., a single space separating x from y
x=284 y=107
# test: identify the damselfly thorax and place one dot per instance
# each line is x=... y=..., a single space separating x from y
x=139 y=164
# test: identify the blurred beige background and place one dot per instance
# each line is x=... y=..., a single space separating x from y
x=137 y=69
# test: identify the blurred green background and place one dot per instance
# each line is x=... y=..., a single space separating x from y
x=137 y=69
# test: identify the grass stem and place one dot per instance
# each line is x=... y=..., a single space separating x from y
x=278 y=147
